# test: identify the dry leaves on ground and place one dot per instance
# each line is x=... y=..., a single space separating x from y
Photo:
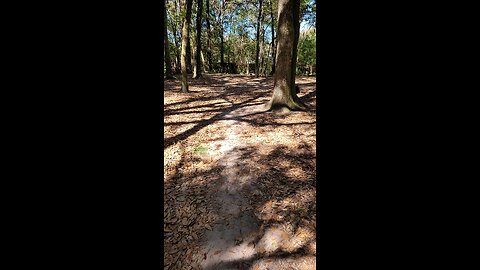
x=277 y=157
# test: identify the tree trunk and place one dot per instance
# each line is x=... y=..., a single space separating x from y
x=197 y=71
x=266 y=62
x=262 y=50
x=221 y=36
x=258 y=37
x=284 y=94
x=203 y=61
x=189 y=51
x=175 y=35
x=209 y=44
x=273 y=37
x=168 y=63
x=193 y=47
x=185 y=40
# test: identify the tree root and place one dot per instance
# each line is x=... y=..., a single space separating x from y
x=293 y=105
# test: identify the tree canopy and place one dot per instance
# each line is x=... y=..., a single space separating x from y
x=229 y=31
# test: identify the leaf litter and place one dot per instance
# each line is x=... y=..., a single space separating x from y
x=275 y=156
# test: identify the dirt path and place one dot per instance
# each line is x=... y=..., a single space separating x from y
x=232 y=239
x=239 y=182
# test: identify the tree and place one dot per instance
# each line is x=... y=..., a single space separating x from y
x=174 y=21
x=222 y=10
x=167 y=49
x=185 y=40
x=257 y=67
x=209 y=32
x=307 y=51
x=273 y=36
x=189 y=49
x=197 y=72
x=284 y=94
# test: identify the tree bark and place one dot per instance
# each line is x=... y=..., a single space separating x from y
x=203 y=61
x=221 y=36
x=262 y=49
x=193 y=47
x=175 y=35
x=273 y=37
x=209 y=44
x=197 y=71
x=189 y=51
x=264 y=65
x=185 y=41
x=168 y=62
x=284 y=94
x=258 y=37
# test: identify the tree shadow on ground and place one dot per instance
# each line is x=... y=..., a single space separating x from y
x=271 y=176
x=223 y=100
x=281 y=186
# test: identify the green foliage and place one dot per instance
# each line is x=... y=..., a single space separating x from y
x=307 y=45
x=238 y=25
x=308 y=11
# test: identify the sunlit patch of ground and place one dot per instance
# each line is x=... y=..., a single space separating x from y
x=214 y=141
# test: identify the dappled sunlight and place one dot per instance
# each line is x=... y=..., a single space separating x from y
x=297 y=262
x=239 y=181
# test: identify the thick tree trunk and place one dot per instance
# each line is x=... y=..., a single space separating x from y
x=273 y=37
x=185 y=41
x=168 y=63
x=209 y=44
x=259 y=19
x=197 y=71
x=284 y=94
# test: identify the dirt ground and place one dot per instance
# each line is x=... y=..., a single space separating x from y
x=239 y=182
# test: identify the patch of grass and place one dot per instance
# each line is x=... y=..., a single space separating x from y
x=200 y=150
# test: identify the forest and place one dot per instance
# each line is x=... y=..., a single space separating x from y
x=234 y=37
x=239 y=134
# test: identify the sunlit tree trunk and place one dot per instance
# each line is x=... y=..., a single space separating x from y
x=168 y=63
x=262 y=50
x=259 y=19
x=194 y=51
x=189 y=51
x=266 y=62
x=284 y=94
x=221 y=36
x=209 y=44
x=197 y=71
x=273 y=36
x=175 y=35
x=203 y=61
x=185 y=39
